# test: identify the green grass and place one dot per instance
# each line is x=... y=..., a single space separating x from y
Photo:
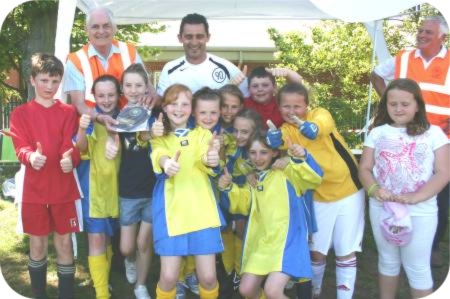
x=14 y=258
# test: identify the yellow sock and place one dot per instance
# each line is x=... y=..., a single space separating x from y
x=160 y=294
x=98 y=267
x=209 y=294
x=237 y=253
x=262 y=295
x=228 y=253
x=190 y=265
x=109 y=256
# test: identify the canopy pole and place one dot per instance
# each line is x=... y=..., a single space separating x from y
x=372 y=66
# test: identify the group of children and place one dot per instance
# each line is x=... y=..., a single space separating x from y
x=209 y=178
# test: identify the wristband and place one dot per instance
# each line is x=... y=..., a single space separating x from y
x=372 y=189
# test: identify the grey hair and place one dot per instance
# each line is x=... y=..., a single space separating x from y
x=108 y=13
x=443 y=27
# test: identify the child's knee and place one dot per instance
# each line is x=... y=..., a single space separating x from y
x=208 y=280
x=168 y=280
x=419 y=277
x=127 y=249
x=247 y=290
x=143 y=245
x=273 y=291
x=389 y=267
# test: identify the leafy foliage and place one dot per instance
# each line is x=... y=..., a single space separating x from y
x=31 y=27
x=335 y=63
x=334 y=59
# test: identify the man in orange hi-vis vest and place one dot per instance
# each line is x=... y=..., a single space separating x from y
x=101 y=55
x=428 y=65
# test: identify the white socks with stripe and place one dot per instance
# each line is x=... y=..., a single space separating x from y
x=345 y=278
x=318 y=269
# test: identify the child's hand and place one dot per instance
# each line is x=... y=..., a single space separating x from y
x=225 y=179
x=212 y=158
x=273 y=137
x=112 y=146
x=295 y=150
x=85 y=120
x=308 y=129
x=381 y=194
x=289 y=74
x=278 y=72
x=158 y=126
x=171 y=165
x=252 y=179
x=37 y=159
x=107 y=120
x=280 y=163
x=239 y=78
x=408 y=198
x=66 y=161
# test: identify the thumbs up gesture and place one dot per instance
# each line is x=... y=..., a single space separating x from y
x=273 y=137
x=37 y=159
x=239 y=78
x=85 y=120
x=158 y=126
x=225 y=179
x=66 y=161
x=112 y=146
x=171 y=165
x=295 y=150
x=212 y=158
x=308 y=129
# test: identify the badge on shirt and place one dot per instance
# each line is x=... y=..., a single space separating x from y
x=184 y=142
x=260 y=188
x=219 y=75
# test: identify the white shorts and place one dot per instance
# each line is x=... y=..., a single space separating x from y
x=414 y=257
x=340 y=225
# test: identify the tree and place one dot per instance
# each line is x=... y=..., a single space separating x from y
x=31 y=27
x=334 y=60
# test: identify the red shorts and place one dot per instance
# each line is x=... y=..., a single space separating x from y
x=42 y=219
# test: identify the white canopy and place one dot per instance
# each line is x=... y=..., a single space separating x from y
x=144 y=11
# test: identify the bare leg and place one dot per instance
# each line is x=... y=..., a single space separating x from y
x=388 y=286
x=274 y=286
x=250 y=286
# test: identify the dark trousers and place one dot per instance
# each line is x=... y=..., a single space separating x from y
x=443 y=200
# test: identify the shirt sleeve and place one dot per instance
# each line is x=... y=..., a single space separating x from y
x=73 y=79
x=369 y=141
x=386 y=69
x=18 y=130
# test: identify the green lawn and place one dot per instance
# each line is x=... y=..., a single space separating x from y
x=14 y=256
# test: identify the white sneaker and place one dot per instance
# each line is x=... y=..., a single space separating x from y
x=192 y=283
x=130 y=271
x=316 y=292
x=181 y=291
x=141 y=292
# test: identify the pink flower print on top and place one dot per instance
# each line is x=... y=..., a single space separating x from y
x=399 y=165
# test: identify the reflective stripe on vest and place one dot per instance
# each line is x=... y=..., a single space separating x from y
x=87 y=71
x=442 y=89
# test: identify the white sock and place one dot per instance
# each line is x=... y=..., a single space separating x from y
x=345 y=278
x=318 y=269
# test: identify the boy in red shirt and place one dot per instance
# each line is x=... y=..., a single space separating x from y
x=262 y=89
x=42 y=131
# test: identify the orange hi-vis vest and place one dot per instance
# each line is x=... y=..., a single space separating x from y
x=434 y=82
x=91 y=68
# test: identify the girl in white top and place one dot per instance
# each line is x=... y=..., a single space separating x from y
x=405 y=160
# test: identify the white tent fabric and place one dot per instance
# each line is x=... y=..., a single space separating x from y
x=143 y=11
